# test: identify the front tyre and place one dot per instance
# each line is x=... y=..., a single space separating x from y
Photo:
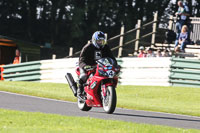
x=83 y=106
x=110 y=100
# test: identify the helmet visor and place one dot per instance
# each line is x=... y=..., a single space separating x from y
x=100 y=42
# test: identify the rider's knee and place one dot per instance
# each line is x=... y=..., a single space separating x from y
x=83 y=77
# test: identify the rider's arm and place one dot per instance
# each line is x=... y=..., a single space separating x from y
x=87 y=56
x=83 y=57
x=109 y=53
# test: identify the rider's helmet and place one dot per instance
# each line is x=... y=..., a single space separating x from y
x=99 y=39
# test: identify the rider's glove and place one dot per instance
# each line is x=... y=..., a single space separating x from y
x=87 y=67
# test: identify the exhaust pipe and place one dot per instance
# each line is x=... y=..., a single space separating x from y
x=72 y=83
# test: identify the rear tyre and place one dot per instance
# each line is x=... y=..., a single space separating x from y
x=110 y=100
x=83 y=106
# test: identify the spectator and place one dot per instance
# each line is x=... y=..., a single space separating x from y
x=183 y=39
x=17 y=57
x=150 y=52
x=158 y=54
x=141 y=52
x=165 y=53
x=182 y=17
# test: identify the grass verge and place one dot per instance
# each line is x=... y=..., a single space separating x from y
x=24 y=122
x=178 y=100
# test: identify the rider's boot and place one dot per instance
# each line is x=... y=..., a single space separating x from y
x=80 y=91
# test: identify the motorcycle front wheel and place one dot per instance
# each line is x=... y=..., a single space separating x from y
x=82 y=105
x=110 y=100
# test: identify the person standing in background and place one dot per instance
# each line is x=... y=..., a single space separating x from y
x=141 y=52
x=182 y=16
x=150 y=52
x=17 y=57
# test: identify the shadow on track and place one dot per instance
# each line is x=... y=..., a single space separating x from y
x=155 y=117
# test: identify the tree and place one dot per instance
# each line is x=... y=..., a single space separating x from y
x=68 y=23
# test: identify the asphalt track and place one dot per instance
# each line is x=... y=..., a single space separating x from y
x=35 y=104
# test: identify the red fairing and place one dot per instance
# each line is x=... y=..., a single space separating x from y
x=99 y=79
x=93 y=98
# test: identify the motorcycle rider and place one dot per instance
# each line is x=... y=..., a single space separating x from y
x=91 y=52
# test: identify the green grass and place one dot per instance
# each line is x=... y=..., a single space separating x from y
x=24 y=122
x=179 y=100
x=48 y=90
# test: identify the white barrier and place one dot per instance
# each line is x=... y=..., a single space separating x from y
x=135 y=71
x=145 y=71
x=55 y=70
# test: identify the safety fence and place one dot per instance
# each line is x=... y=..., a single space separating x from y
x=134 y=71
x=44 y=71
x=163 y=71
x=185 y=72
x=22 y=72
x=145 y=71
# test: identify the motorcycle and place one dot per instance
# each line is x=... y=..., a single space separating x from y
x=99 y=89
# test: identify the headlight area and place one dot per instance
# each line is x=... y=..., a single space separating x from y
x=102 y=73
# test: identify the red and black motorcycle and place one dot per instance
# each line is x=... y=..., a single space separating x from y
x=100 y=86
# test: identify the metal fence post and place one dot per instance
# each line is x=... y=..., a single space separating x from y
x=70 y=51
x=26 y=58
x=53 y=56
x=170 y=22
x=137 y=35
x=106 y=37
x=121 y=42
x=154 y=28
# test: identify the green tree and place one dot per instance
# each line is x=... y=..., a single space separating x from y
x=68 y=23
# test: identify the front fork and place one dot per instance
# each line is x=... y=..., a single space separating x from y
x=103 y=89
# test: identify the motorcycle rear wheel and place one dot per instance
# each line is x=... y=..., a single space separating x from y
x=83 y=106
x=110 y=100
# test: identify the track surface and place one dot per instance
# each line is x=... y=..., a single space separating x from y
x=35 y=104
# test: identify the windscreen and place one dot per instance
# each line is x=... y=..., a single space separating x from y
x=106 y=62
